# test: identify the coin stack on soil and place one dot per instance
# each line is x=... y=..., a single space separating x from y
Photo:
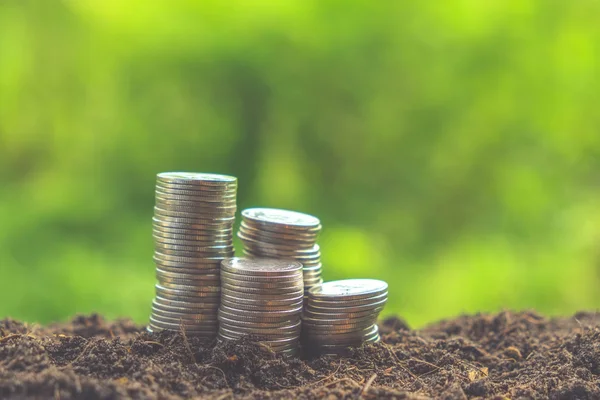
x=193 y=232
x=342 y=314
x=282 y=234
x=264 y=298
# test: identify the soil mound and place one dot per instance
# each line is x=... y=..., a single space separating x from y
x=505 y=355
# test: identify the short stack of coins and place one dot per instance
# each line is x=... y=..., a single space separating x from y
x=263 y=298
x=283 y=234
x=193 y=232
x=342 y=314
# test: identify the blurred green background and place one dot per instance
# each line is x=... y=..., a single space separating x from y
x=449 y=147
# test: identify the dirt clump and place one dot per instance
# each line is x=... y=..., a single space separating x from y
x=506 y=355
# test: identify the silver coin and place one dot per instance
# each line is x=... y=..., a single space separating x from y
x=281 y=245
x=266 y=300
x=266 y=267
x=277 y=230
x=190 y=297
x=339 y=315
x=204 y=224
x=349 y=289
x=261 y=317
x=198 y=302
x=185 y=285
x=280 y=280
x=176 y=204
x=191 y=254
x=335 y=329
x=191 y=204
x=311 y=274
x=259 y=253
x=194 y=254
x=293 y=219
x=349 y=339
x=231 y=321
x=189 y=242
x=189 y=308
x=188 y=262
x=347 y=305
x=187 y=218
x=363 y=333
x=210 y=215
x=276 y=281
x=311 y=253
x=312 y=282
x=265 y=285
x=205 y=197
x=341 y=321
x=199 y=178
x=293 y=296
x=171 y=193
x=260 y=235
x=286 y=327
x=190 y=227
x=297 y=289
x=183 y=277
x=256 y=307
x=189 y=270
x=195 y=290
x=312 y=268
x=194 y=248
x=184 y=316
x=159 y=228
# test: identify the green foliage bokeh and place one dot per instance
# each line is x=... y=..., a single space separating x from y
x=451 y=148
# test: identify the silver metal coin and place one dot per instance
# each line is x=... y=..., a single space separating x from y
x=254 y=307
x=197 y=302
x=261 y=317
x=261 y=296
x=347 y=305
x=350 y=289
x=261 y=267
x=279 y=280
x=284 y=324
x=270 y=216
x=249 y=290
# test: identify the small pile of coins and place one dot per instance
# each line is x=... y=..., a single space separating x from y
x=342 y=314
x=263 y=298
x=283 y=234
x=193 y=232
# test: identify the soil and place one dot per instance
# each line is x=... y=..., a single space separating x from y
x=506 y=355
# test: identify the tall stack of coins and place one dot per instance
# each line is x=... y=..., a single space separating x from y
x=282 y=234
x=264 y=298
x=193 y=232
x=342 y=314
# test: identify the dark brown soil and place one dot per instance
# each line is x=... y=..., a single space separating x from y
x=508 y=355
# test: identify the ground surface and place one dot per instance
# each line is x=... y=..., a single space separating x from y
x=507 y=355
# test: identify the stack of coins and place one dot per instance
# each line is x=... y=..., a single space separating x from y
x=264 y=298
x=342 y=314
x=282 y=234
x=193 y=232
